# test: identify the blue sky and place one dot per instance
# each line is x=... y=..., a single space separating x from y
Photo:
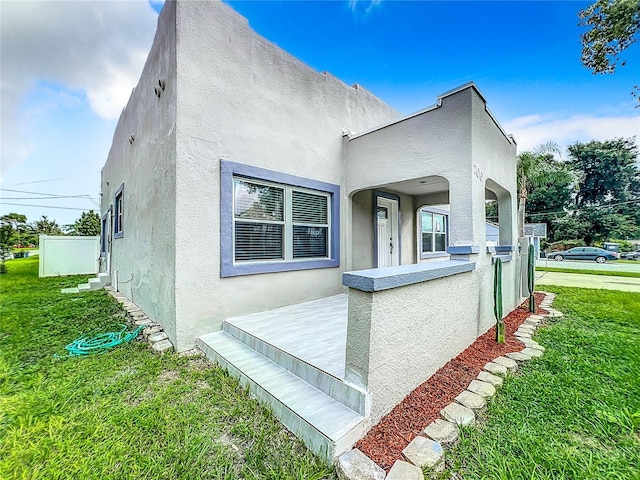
x=68 y=69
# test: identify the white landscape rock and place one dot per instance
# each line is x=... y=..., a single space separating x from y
x=494 y=380
x=496 y=369
x=519 y=356
x=531 y=343
x=506 y=362
x=402 y=470
x=162 y=347
x=423 y=452
x=482 y=388
x=157 y=337
x=443 y=432
x=355 y=465
x=471 y=400
x=532 y=352
x=458 y=414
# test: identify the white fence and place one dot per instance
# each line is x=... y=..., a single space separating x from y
x=68 y=255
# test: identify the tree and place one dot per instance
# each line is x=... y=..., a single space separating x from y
x=89 y=224
x=608 y=189
x=608 y=171
x=550 y=200
x=18 y=224
x=534 y=169
x=44 y=226
x=613 y=26
x=6 y=229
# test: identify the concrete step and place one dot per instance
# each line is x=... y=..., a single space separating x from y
x=100 y=281
x=326 y=426
x=327 y=383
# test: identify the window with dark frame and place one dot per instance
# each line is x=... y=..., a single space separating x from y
x=118 y=215
x=279 y=222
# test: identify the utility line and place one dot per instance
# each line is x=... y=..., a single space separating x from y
x=43 y=194
x=40 y=181
x=47 y=198
x=47 y=206
x=583 y=208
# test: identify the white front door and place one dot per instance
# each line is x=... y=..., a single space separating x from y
x=387 y=230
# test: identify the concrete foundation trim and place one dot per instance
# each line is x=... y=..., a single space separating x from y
x=377 y=279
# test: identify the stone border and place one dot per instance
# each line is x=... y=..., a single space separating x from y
x=427 y=449
x=153 y=333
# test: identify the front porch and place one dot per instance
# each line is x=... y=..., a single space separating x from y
x=293 y=359
x=331 y=368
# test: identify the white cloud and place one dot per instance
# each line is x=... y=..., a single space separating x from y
x=533 y=130
x=98 y=48
x=367 y=5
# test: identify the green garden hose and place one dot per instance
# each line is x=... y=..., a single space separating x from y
x=99 y=343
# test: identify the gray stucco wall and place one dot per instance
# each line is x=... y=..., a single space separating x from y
x=360 y=251
x=410 y=332
x=241 y=98
x=459 y=140
x=143 y=259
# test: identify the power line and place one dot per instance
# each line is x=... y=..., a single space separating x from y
x=40 y=181
x=541 y=214
x=43 y=194
x=47 y=206
x=84 y=197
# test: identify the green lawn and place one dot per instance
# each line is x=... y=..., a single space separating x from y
x=575 y=412
x=124 y=414
x=591 y=272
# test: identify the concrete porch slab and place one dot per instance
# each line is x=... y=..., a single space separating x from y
x=314 y=332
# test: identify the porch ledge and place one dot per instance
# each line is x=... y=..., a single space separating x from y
x=376 y=279
x=504 y=258
x=501 y=249
x=463 y=249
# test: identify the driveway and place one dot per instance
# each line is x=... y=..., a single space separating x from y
x=588 y=281
x=613 y=266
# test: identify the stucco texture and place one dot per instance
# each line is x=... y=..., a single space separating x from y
x=398 y=338
x=243 y=99
x=143 y=260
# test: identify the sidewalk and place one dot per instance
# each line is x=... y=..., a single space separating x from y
x=588 y=281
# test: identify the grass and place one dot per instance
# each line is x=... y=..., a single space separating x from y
x=575 y=412
x=607 y=273
x=125 y=414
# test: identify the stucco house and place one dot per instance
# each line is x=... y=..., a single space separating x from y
x=327 y=250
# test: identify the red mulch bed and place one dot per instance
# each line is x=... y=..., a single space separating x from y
x=384 y=442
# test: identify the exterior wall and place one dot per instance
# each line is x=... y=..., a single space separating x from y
x=242 y=99
x=360 y=251
x=459 y=140
x=435 y=142
x=411 y=332
x=360 y=254
x=142 y=260
x=68 y=255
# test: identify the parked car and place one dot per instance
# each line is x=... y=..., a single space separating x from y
x=583 y=253
x=630 y=255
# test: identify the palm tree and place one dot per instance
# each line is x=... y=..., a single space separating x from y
x=535 y=168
